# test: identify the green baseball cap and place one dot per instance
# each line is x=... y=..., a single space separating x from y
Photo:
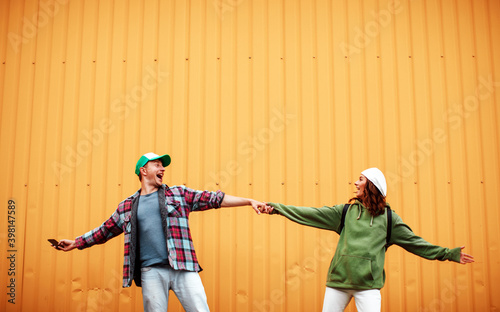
x=165 y=160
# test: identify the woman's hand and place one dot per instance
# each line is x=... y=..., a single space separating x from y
x=465 y=258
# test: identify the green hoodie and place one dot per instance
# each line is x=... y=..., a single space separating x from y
x=358 y=262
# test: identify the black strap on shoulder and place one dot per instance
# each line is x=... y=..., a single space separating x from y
x=389 y=227
x=342 y=221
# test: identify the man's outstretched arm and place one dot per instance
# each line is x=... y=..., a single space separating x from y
x=234 y=201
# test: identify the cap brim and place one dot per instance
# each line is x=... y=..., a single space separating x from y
x=165 y=160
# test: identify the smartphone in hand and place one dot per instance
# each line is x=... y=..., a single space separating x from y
x=54 y=242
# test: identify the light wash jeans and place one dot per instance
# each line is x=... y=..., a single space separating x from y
x=337 y=299
x=158 y=280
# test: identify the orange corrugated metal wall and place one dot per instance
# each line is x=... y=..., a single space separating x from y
x=282 y=101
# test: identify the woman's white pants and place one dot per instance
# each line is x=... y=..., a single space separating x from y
x=337 y=299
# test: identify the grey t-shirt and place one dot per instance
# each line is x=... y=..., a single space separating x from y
x=152 y=243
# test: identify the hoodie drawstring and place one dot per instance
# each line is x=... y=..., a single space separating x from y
x=359 y=216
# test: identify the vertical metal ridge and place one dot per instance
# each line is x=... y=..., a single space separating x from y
x=383 y=163
x=203 y=91
x=365 y=144
x=496 y=137
x=301 y=178
x=170 y=89
x=315 y=88
x=23 y=58
x=463 y=161
x=187 y=86
x=413 y=131
x=430 y=55
x=250 y=183
x=218 y=143
x=6 y=39
x=283 y=72
x=349 y=119
x=447 y=54
x=398 y=141
x=316 y=132
x=235 y=68
x=480 y=201
x=330 y=70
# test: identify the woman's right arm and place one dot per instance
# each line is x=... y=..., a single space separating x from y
x=327 y=218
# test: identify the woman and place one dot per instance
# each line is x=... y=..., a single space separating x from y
x=357 y=268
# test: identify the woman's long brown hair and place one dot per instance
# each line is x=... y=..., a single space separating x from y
x=372 y=199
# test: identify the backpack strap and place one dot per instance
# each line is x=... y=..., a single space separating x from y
x=342 y=221
x=389 y=228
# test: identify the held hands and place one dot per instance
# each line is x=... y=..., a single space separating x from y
x=265 y=208
x=268 y=209
x=257 y=205
x=234 y=201
x=260 y=207
x=465 y=258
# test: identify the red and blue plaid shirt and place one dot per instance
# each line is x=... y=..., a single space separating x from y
x=178 y=202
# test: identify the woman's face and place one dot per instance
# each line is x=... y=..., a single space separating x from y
x=360 y=186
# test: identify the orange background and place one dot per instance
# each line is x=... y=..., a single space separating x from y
x=284 y=101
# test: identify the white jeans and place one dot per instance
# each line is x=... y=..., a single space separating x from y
x=187 y=286
x=337 y=299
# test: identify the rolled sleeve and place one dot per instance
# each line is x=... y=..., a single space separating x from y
x=80 y=242
x=203 y=200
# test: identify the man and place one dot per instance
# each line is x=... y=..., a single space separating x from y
x=159 y=254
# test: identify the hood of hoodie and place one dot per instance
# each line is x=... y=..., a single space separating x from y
x=362 y=209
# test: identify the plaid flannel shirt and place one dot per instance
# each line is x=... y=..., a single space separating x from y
x=178 y=201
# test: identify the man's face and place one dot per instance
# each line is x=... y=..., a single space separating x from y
x=154 y=172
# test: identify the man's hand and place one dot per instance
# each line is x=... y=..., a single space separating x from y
x=465 y=258
x=66 y=245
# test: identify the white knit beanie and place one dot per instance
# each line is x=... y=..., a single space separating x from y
x=377 y=178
